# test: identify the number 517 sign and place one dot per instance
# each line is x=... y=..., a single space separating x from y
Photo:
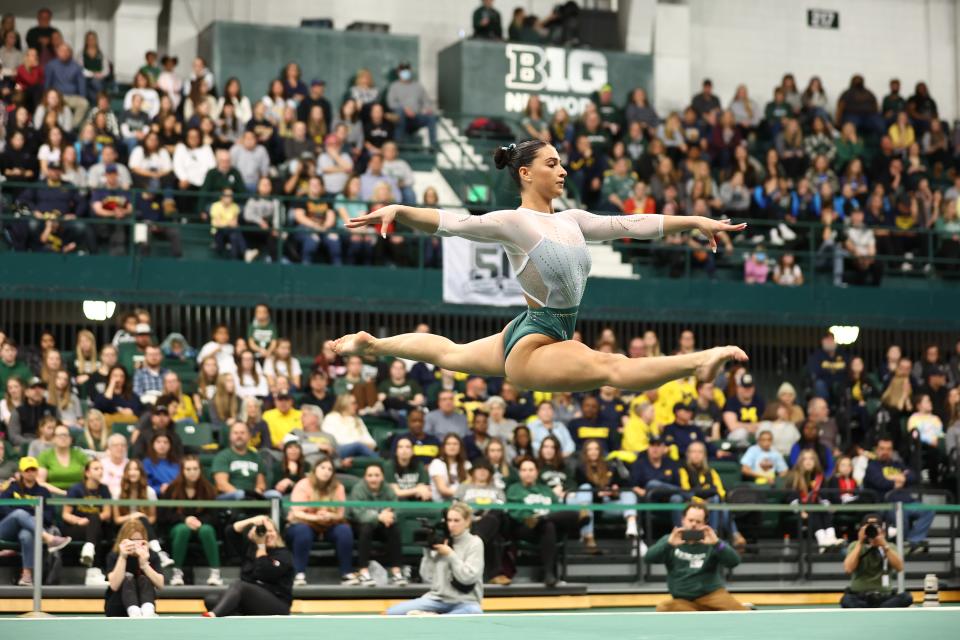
x=823 y=19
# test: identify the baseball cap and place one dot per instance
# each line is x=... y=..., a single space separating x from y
x=160 y=408
x=53 y=165
x=655 y=440
x=786 y=387
x=283 y=395
x=746 y=380
x=606 y=87
x=28 y=462
x=306 y=155
x=142 y=328
x=683 y=405
x=36 y=382
x=110 y=168
x=937 y=370
x=317 y=82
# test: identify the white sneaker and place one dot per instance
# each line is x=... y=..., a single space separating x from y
x=86 y=554
x=250 y=255
x=176 y=579
x=300 y=580
x=95 y=578
x=349 y=580
x=891 y=533
x=366 y=580
x=165 y=559
x=786 y=232
x=214 y=580
x=775 y=238
x=632 y=529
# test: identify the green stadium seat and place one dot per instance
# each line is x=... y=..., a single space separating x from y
x=125 y=429
x=196 y=436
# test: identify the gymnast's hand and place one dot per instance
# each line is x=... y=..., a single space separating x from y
x=711 y=228
x=382 y=216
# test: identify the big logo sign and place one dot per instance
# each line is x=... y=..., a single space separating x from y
x=562 y=78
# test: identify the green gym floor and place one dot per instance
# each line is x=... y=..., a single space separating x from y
x=796 y=624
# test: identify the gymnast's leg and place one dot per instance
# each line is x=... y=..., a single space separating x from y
x=481 y=357
x=539 y=362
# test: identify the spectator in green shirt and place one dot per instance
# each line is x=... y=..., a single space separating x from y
x=382 y=524
x=617 y=185
x=10 y=367
x=63 y=464
x=776 y=111
x=695 y=566
x=868 y=563
x=893 y=103
x=262 y=333
x=537 y=524
x=237 y=470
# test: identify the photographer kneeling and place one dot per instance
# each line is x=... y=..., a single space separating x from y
x=696 y=560
x=265 y=587
x=869 y=561
x=454 y=568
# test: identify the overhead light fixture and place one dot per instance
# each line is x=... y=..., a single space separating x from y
x=845 y=335
x=98 y=310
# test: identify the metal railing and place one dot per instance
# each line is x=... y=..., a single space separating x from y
x=276 y=507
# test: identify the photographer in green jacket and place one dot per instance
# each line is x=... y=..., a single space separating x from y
x=695 y=559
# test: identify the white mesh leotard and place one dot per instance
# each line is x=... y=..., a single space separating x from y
x=548 y=251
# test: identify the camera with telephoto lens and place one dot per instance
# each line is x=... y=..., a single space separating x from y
x=260 y=530
x=434 y=533
x=871 y=531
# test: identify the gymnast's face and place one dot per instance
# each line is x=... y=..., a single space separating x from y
x=545 y=174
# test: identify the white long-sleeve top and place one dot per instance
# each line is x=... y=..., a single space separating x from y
x=192 y=165
x=347 y=429
x=548 y=251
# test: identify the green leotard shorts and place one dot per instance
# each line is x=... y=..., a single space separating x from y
x=547 y=321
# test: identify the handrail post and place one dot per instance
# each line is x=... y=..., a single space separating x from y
x=901 y=575
x=37 y=554
x=275 y=510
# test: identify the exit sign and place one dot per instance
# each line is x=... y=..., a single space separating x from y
x=823 y=19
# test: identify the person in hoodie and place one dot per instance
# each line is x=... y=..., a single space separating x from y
x=892 y=480
x=262 y=211
x=454 y=568
x=376 y=523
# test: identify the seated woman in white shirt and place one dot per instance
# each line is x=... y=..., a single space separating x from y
x=251 y=380
x=343 y=423
x=448 y=469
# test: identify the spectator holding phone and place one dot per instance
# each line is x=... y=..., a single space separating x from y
x=868 y=563
x=135 y=575
x=696 y=561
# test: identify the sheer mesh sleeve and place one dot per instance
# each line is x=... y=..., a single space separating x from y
x=611 y=227
x=506 y=227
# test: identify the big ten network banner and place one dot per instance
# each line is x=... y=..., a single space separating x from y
x=256 y=54
x=496 y=79
x=475 y=273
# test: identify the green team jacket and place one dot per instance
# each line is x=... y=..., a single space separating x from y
x=693 y=570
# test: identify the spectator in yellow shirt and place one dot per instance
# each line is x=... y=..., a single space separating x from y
x=902 y=133
x=224 y=220
x=642 y=425
x=282 y=419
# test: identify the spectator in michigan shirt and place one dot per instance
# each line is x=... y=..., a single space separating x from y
x=112 y=202
x=893 y=481
x=828 y=368
x=742 y=412
x=592 y=425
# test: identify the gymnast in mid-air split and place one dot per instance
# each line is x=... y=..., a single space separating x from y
x=548 y=252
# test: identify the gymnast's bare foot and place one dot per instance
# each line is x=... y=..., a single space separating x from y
x=714 y=359
x=355 y=344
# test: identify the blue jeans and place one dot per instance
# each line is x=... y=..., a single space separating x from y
x=406 y=124
x=425 y=603
x=584 y=495
x=916 y=523
x=232 y=236
x=232 y=495
x=821 y=389
x=719 y=521
x=18 y=525
x=301 y=536
x=354 y=449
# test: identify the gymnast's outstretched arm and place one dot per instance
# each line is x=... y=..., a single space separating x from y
x=646 y=226
x=501 y=227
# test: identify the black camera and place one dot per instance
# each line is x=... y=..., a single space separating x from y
x=871 y=531
x=260 y=530
x=434 y=533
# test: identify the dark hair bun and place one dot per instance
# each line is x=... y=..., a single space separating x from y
x=503 y=155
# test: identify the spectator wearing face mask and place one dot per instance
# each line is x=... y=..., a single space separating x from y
x=408 y=99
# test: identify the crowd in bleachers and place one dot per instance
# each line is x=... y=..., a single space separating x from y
x=275 y=177
x=237 y=417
